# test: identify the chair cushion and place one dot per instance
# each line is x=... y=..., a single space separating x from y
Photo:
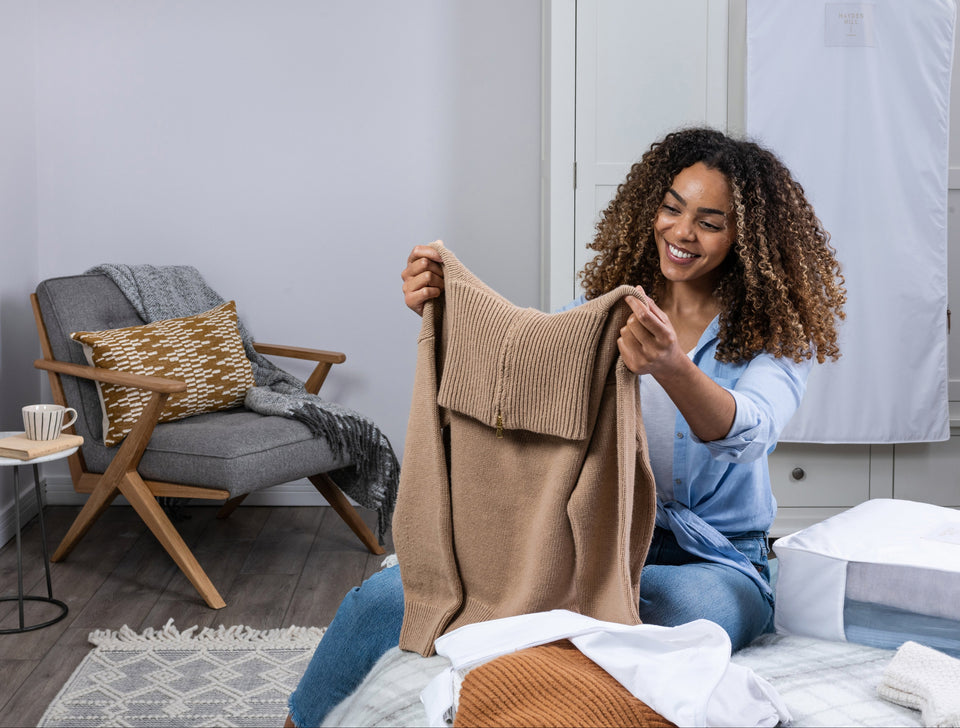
x=237 y=450
x=204 y=350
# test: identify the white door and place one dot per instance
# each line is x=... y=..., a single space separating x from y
x=642 y=68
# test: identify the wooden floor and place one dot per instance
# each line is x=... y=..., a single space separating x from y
x=275 y=567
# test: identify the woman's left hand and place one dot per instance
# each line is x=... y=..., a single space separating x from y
x=648 y=342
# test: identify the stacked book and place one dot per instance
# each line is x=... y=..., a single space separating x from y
x=22 y=448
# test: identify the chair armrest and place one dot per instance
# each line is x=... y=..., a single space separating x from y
x=324 y=359
x=296 y=352
x=161 y=385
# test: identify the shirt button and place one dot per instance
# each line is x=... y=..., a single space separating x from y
x=678 y=481
x=679 y=435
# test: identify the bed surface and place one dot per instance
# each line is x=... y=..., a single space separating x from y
x=823 y=683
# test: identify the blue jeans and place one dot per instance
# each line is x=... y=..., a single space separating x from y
x=675 y=588
x=366 y=625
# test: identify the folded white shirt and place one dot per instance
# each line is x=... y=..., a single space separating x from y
x=684 y=673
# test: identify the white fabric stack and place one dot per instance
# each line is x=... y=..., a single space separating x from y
x=926 y=680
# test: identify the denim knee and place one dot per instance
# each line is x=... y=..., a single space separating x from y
x=366 y=625
x=379 y=598
x=673 y=595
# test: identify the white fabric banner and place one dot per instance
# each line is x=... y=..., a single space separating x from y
x=855 y=99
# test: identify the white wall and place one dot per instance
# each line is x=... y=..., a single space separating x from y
x=19 y=383
x=294 y=151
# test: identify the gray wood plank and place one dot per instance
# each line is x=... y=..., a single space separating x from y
x=180 y=601
x=373 y=565
x=31 y=699
x=258 y=601
x=75 y=581
x=335 y=534
x=34 y=576
x=284 y=542
x=244 y=524
x=327 y=577
x=275 y=567
x=222 y=549
x=13 y=674
x=139 y=579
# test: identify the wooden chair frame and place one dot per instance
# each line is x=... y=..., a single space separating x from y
x=121 y=476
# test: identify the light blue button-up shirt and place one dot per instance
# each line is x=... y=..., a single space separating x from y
x=727 y=482
x=722 y=488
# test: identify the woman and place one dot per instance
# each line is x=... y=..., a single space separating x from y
x=743 y=293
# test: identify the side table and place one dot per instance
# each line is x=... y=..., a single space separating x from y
x=20 y=597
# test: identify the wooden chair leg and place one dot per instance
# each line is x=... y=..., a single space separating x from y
x=100 y=498
x=335 y=497
x=145 y=504
x=230 y=506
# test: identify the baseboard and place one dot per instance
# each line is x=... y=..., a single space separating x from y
x=28 y=509
x=60 y=492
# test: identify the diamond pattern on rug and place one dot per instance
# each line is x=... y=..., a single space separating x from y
x=231 y=676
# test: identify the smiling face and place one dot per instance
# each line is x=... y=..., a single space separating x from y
x=694 y=227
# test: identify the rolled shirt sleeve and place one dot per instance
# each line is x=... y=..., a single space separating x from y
x=767 y=394
x=767 y=391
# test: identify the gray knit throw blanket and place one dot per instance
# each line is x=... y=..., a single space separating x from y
x=165 y=292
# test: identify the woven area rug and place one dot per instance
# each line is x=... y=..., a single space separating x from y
x=230 y=676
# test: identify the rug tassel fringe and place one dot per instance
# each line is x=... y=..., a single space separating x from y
x=226 y=635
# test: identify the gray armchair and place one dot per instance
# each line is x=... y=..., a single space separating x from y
x=221 y=455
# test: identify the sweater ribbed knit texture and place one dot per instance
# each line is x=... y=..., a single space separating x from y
x=525 y=484
x=549 y=685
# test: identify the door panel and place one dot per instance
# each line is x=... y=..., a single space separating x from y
x=643 y=68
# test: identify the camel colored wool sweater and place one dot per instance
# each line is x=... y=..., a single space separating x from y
x=526 y=484
x=552 y=685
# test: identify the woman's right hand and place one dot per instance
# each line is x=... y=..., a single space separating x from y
x=422 y=278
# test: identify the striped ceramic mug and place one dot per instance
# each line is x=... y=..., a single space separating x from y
x=45 y=421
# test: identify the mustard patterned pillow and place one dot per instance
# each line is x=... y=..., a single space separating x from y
x=204 y=350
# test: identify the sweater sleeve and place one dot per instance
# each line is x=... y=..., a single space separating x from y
x=422 y=524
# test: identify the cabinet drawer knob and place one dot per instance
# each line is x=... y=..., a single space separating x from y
x=797 y=474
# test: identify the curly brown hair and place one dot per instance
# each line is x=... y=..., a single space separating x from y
x=781 y=289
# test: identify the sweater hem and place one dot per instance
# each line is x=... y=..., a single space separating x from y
x=422 y=624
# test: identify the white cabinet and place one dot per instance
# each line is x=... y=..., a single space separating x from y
x=835 y=476
x=813 y=482
x=928 y=472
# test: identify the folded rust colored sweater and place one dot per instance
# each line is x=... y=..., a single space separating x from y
x=549 y=685
x=526 y=484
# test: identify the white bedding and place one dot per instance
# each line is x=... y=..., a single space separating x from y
x=823 y=683
x=826 y=683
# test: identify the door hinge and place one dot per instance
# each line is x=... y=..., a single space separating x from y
x=574 y=175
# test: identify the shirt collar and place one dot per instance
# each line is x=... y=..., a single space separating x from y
x=709 y=337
